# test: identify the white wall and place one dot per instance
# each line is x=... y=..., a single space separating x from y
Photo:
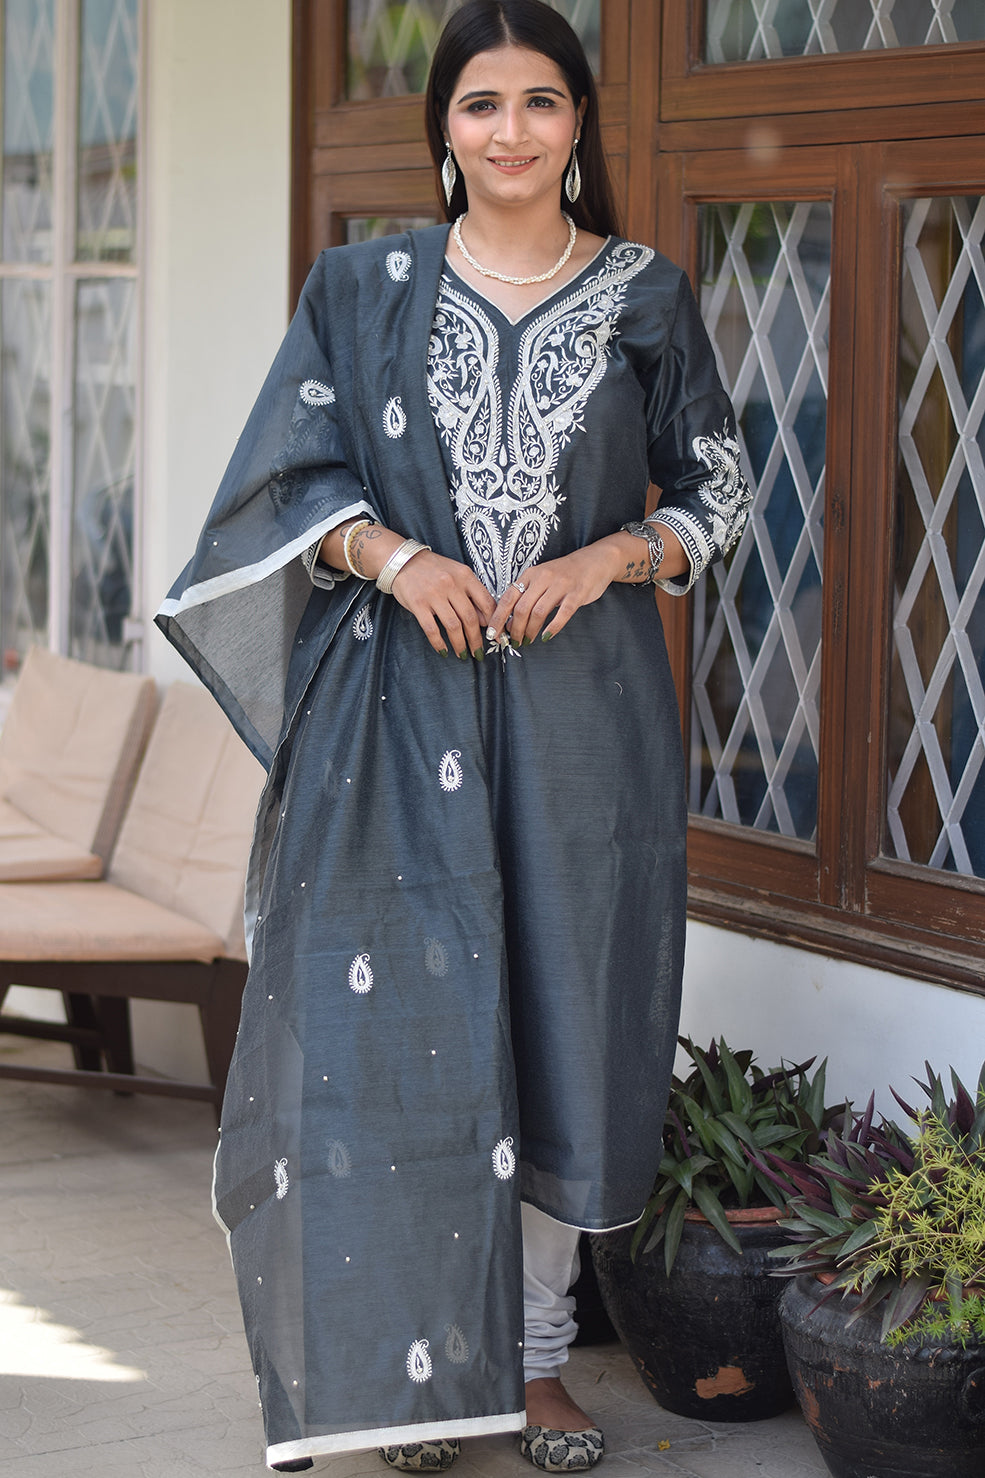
x=218 y=228
x=876 y=1029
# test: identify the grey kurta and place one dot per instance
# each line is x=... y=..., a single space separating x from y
x=468 y=878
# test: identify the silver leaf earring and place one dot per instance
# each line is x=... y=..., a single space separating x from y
x=449 y=174
x=572 y=180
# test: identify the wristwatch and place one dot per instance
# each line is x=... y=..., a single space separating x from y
x=654 y=544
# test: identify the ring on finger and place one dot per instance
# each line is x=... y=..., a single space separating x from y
x=519 y=585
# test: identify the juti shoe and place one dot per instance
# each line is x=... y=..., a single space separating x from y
x=554 y=1451
x=422 y=1457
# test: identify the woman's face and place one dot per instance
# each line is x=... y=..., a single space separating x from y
x=511 y=123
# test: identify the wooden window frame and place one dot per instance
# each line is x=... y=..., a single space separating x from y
x=841 y=897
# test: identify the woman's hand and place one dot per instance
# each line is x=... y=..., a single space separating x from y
x=563 y=585
x=449 y=603
x=552 y=592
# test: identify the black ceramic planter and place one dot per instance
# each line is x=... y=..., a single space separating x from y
x=879 y=1412
x=706 y=1340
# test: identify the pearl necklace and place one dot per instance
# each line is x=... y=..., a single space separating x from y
x=456 y=231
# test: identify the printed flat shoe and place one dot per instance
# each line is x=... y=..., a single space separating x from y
x=422 y=1457
x=554 y=1451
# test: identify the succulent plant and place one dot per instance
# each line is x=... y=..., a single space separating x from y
x=720 y=1119
x=896 y=1217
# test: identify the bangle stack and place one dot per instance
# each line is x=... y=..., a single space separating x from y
x=350 y=534
x=654 y=544
x=396 y=562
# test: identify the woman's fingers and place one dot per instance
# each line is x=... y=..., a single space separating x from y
x=449 y=603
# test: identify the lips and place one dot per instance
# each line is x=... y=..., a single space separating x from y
x=514 y=164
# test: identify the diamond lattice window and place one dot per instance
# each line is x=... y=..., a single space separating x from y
x=758 y=30
x=765 y=287
x=390 y=46
x=68 y=314
x=936 y=782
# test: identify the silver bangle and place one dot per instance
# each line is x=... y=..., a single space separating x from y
x=351 y=531
x=396 y=562
x=654 y=544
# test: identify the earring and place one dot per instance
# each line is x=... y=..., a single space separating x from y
x=449 y=174
x=572 y=180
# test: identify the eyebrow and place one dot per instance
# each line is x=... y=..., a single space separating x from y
x=488 y=92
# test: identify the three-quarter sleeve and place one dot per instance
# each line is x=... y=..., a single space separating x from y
x=692 y=450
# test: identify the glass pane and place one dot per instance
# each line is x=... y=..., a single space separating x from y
x=754 y=30
x=104 y=460
x=25 y=325
x=28 y=129
x=390 y=45
x=936 y=761
x=369 y=228
x=765 y=288
x=107 y=182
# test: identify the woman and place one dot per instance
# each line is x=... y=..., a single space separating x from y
x=422 y=596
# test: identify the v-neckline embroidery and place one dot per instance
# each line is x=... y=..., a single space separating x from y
x=515 y=322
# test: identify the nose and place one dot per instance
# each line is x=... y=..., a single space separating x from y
x=511 y=127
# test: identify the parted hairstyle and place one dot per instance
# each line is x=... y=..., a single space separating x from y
x=487 y=25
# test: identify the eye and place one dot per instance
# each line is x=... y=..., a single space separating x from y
x=545 y=102
x=479 y=106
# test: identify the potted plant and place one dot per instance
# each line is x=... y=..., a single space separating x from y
x=689 y=1288
x=884 y=1323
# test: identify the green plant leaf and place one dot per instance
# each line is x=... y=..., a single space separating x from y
x=863 y=1234
x=709 y=1204
x=739 y=1090
x=715 y=1096
x=675 y=1227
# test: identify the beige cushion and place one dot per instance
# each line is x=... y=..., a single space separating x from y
x=95 y=921
x=186 y=836
x=70 y=746
x=28 y=852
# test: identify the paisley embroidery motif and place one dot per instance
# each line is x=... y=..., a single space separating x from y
x=419 y=1361
x=435 y=958
x=281 y=1178
x=313 y=392
x=505 y=488
x=450 y=771
x=361 y=975
x=394 y=419
x=398 y=265
x=339 y=1160
x=456 y=1346
x=725 y=493
x=362 y=626
x=504 y=1160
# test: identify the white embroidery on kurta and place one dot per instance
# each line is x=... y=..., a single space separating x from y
x=505 y=490
x=503 y=1159
x=726 y=495
x=394 y=419
x=281 y=1178
x=338 y=1159
x=435 y=957
x=419 y=1361
x=313 y=392
x=456 y=1346
x=450 y=771
x=398 y=265
x=362 y=626
x=361 y=975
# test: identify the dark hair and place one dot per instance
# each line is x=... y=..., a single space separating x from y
x=487 y=25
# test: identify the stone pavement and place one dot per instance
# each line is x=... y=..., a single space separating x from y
x=121 y=1349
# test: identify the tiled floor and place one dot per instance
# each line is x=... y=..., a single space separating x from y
x=121 y=1349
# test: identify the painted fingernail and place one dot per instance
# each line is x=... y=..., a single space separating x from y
x=547 y=636
x=463 y=656
x=479 y=654
x=492 y=633
x=527 y=641
x=442 y=651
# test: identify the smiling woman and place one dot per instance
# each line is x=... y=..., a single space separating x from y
x=468 y=879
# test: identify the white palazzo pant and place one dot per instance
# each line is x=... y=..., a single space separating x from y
x=550 y=1266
